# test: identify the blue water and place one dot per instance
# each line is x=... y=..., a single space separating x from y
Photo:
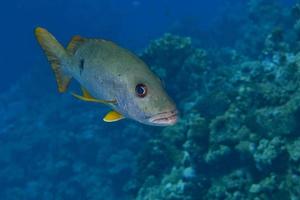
x=130 y=23
x=230 y=66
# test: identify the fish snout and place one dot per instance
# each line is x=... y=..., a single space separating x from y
x=165 y=118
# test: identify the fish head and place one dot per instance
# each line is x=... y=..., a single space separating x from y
x=145 y=100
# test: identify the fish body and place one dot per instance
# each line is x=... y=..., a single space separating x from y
x=112 y=75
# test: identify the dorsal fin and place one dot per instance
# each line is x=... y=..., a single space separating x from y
x=76 y=41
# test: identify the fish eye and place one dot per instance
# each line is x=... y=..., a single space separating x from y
x=141 y=90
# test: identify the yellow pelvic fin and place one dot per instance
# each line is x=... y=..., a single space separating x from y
x=91 y=99
x=113 y=116
x=55 y=54
x=75 y=42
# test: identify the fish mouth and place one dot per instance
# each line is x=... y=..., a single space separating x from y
x=164 y=118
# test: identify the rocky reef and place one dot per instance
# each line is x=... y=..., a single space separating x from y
x=238 y=137
x=49 y=149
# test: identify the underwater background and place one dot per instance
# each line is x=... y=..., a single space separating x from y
x=232 y=67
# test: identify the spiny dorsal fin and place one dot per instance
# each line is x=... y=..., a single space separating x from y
x=76 y=41
x=55 y=54
x=113 y=116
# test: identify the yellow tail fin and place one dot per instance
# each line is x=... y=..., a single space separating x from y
x=55 y=53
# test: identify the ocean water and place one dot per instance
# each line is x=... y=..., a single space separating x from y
x=232 y=68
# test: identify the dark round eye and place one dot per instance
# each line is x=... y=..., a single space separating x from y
x=141 y=90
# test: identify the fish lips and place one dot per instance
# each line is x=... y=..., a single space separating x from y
x=165 y=118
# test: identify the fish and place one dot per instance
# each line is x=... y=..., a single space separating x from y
x=111 y=75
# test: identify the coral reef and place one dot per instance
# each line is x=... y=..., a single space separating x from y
x=51 y=150
x=238 y=137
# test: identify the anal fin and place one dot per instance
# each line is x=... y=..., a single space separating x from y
x=86 y=96
x=86 y=93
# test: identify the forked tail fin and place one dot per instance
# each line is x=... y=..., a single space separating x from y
x=55 y=53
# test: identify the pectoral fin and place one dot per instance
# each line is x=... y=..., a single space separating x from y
x=113 y=116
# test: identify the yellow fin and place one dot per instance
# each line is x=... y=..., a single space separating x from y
x=91 y=99
x=86 y=94
x=113 y=116
x=55 y=54
x=75 y=42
